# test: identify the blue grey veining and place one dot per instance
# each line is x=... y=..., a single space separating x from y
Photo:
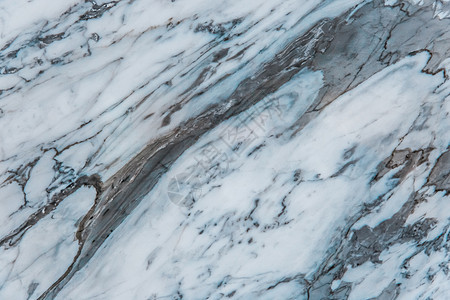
x=281 y=150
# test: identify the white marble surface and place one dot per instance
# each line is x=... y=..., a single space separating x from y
x=199 y=150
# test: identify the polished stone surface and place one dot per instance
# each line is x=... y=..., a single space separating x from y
x=192 y=149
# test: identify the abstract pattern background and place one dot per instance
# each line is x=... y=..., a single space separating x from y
x=193 y=149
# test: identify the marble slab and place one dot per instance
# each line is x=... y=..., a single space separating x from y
x=192 y=149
